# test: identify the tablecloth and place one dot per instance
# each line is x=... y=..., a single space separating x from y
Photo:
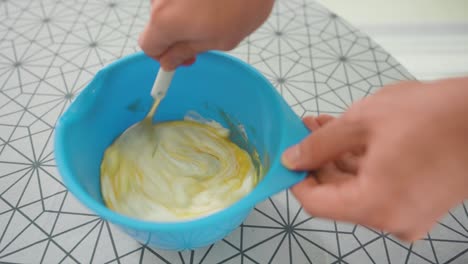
x=50 y=50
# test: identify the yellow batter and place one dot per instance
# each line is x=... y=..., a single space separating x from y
x=175 y=171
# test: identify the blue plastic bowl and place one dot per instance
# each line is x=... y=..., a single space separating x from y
x=119 y=96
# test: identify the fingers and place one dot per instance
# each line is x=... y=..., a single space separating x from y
x=189 y=61
x=332 y=201
x=324 y=145
x=330 y=174
x=314 y=123
x=323 y=119
x=163 y=30
x=348 y=162
x=153 y=40
x=311 y=123
x=410 y=236
x=400 y=85
x=178 y=54
x=309 y=182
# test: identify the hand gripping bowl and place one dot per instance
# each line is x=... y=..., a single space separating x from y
x=218 y=87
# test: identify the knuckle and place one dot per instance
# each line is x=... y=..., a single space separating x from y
x=353 y=116
x=356 y=120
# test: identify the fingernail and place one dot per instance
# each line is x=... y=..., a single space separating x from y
x=189 y=62
x=307 y=118
x=176 y=62
x=168 y=67
x=290 y=157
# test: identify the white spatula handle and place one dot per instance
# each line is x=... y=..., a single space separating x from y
x=162 y=82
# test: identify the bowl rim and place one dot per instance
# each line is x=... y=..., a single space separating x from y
x=237 y=208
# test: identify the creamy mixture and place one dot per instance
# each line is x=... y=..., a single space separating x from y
x=176 y=170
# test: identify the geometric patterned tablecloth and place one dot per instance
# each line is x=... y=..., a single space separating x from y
x=50 y=49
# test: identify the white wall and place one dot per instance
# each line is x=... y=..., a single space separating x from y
x=400 y=11
x=429 y=37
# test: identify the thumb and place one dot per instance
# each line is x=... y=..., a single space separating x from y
x=324 y=145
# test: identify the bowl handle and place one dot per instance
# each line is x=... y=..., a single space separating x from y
x=279 y=178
